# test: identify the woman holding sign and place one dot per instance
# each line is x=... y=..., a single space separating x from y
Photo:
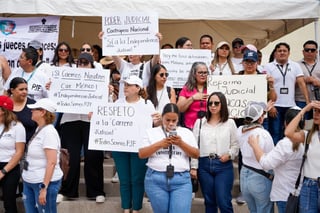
x=130 y=168
x=75 y=134
x=168 y=149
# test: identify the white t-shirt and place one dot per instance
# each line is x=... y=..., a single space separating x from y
x=36 y=82
x=16 y=134
x=237 y=63
x=47 y=138
x=311 y=167
x=265 y=142
x=127 y=69
x=163 y=98
x=291 y=71
x=224 y=69
x=286 y=165
x=160 y=159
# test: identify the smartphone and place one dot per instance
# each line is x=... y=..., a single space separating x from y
x=172 y=133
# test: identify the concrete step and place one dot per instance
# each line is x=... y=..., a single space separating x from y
x=112 y=205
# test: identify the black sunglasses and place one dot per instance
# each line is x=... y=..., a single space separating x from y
x=310 y=50
x=215 y=103
x=85 y=49
x=63 y=50
x=164 y=74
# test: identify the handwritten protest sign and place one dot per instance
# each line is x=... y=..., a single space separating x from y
x=76 y=89
x=130 y=33
x=118 y=127
x=239 y=90
x=179 y=61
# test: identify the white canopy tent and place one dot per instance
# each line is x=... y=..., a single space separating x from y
x=255 y=21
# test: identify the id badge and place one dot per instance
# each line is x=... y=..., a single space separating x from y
x=284 y=90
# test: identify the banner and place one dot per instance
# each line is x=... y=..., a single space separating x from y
x=179 y=61
x=239 y=90
x=75 y=90
x=118 y=127
x=130 y=33
x=16 y=33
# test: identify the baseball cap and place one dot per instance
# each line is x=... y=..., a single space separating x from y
x=250 y=55
x=254 y=110
x=6 y=102
x=221 y=43
x=237 y=41
x=86 y=56
x=134 y=80
x=35 y=44
x=249 y=47
x=44 y=103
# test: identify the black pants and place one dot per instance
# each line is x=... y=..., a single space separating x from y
x=74 y=135
x=9 y=184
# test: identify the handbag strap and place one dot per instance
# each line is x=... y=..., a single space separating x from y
x=200 y=125
x=306 y=147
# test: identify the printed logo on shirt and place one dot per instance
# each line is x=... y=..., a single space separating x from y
x=36 y=87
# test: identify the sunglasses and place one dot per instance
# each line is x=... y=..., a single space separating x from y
x=83 y=63
x=164 y=74
x=237 y=46
x=310 y=50
x=85 y=49
x=202 y=73
x=214 y=103
x=63 y=50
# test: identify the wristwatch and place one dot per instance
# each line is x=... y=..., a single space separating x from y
x=4 y=172
x=43 y=186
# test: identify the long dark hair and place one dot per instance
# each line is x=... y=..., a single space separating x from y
x=55 y=60
x=289 y=116
x=152 y=85
x=224 y=112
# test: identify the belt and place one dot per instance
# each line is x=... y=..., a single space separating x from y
x=213 y=156
x=261 y=172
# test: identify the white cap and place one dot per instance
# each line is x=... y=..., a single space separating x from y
x=221 y=43
x=254 y=110
x=134 y=80
x=44 y=103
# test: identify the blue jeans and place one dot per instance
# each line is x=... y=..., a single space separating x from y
x=276 y=125
x=281 y=206
x=169 y=195
x=255 y=190
x=309 y=197
x=131 y=170
x=216 y=181
x=31 y=197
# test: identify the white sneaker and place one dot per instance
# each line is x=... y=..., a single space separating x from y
x=60 y=198
x=100 y=199
x=115 y=178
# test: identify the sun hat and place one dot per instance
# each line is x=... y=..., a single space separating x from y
x=134 y=80
x=44 y=103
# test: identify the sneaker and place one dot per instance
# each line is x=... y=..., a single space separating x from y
x=115 y=178
x=60 y=198
x=240 y=200
x=100 y=199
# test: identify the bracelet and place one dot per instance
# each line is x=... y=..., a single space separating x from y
x=4 y=172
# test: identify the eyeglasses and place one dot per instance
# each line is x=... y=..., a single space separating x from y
x=214 y=103
x=202 y=73
x=83 y=63
x=164 y=74
x=85 y=49
x=63 y=50
x=312 y=50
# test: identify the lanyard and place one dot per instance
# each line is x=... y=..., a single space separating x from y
x=170 y=147
x=310 y=71
x=29 y=76
x=283 y=74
